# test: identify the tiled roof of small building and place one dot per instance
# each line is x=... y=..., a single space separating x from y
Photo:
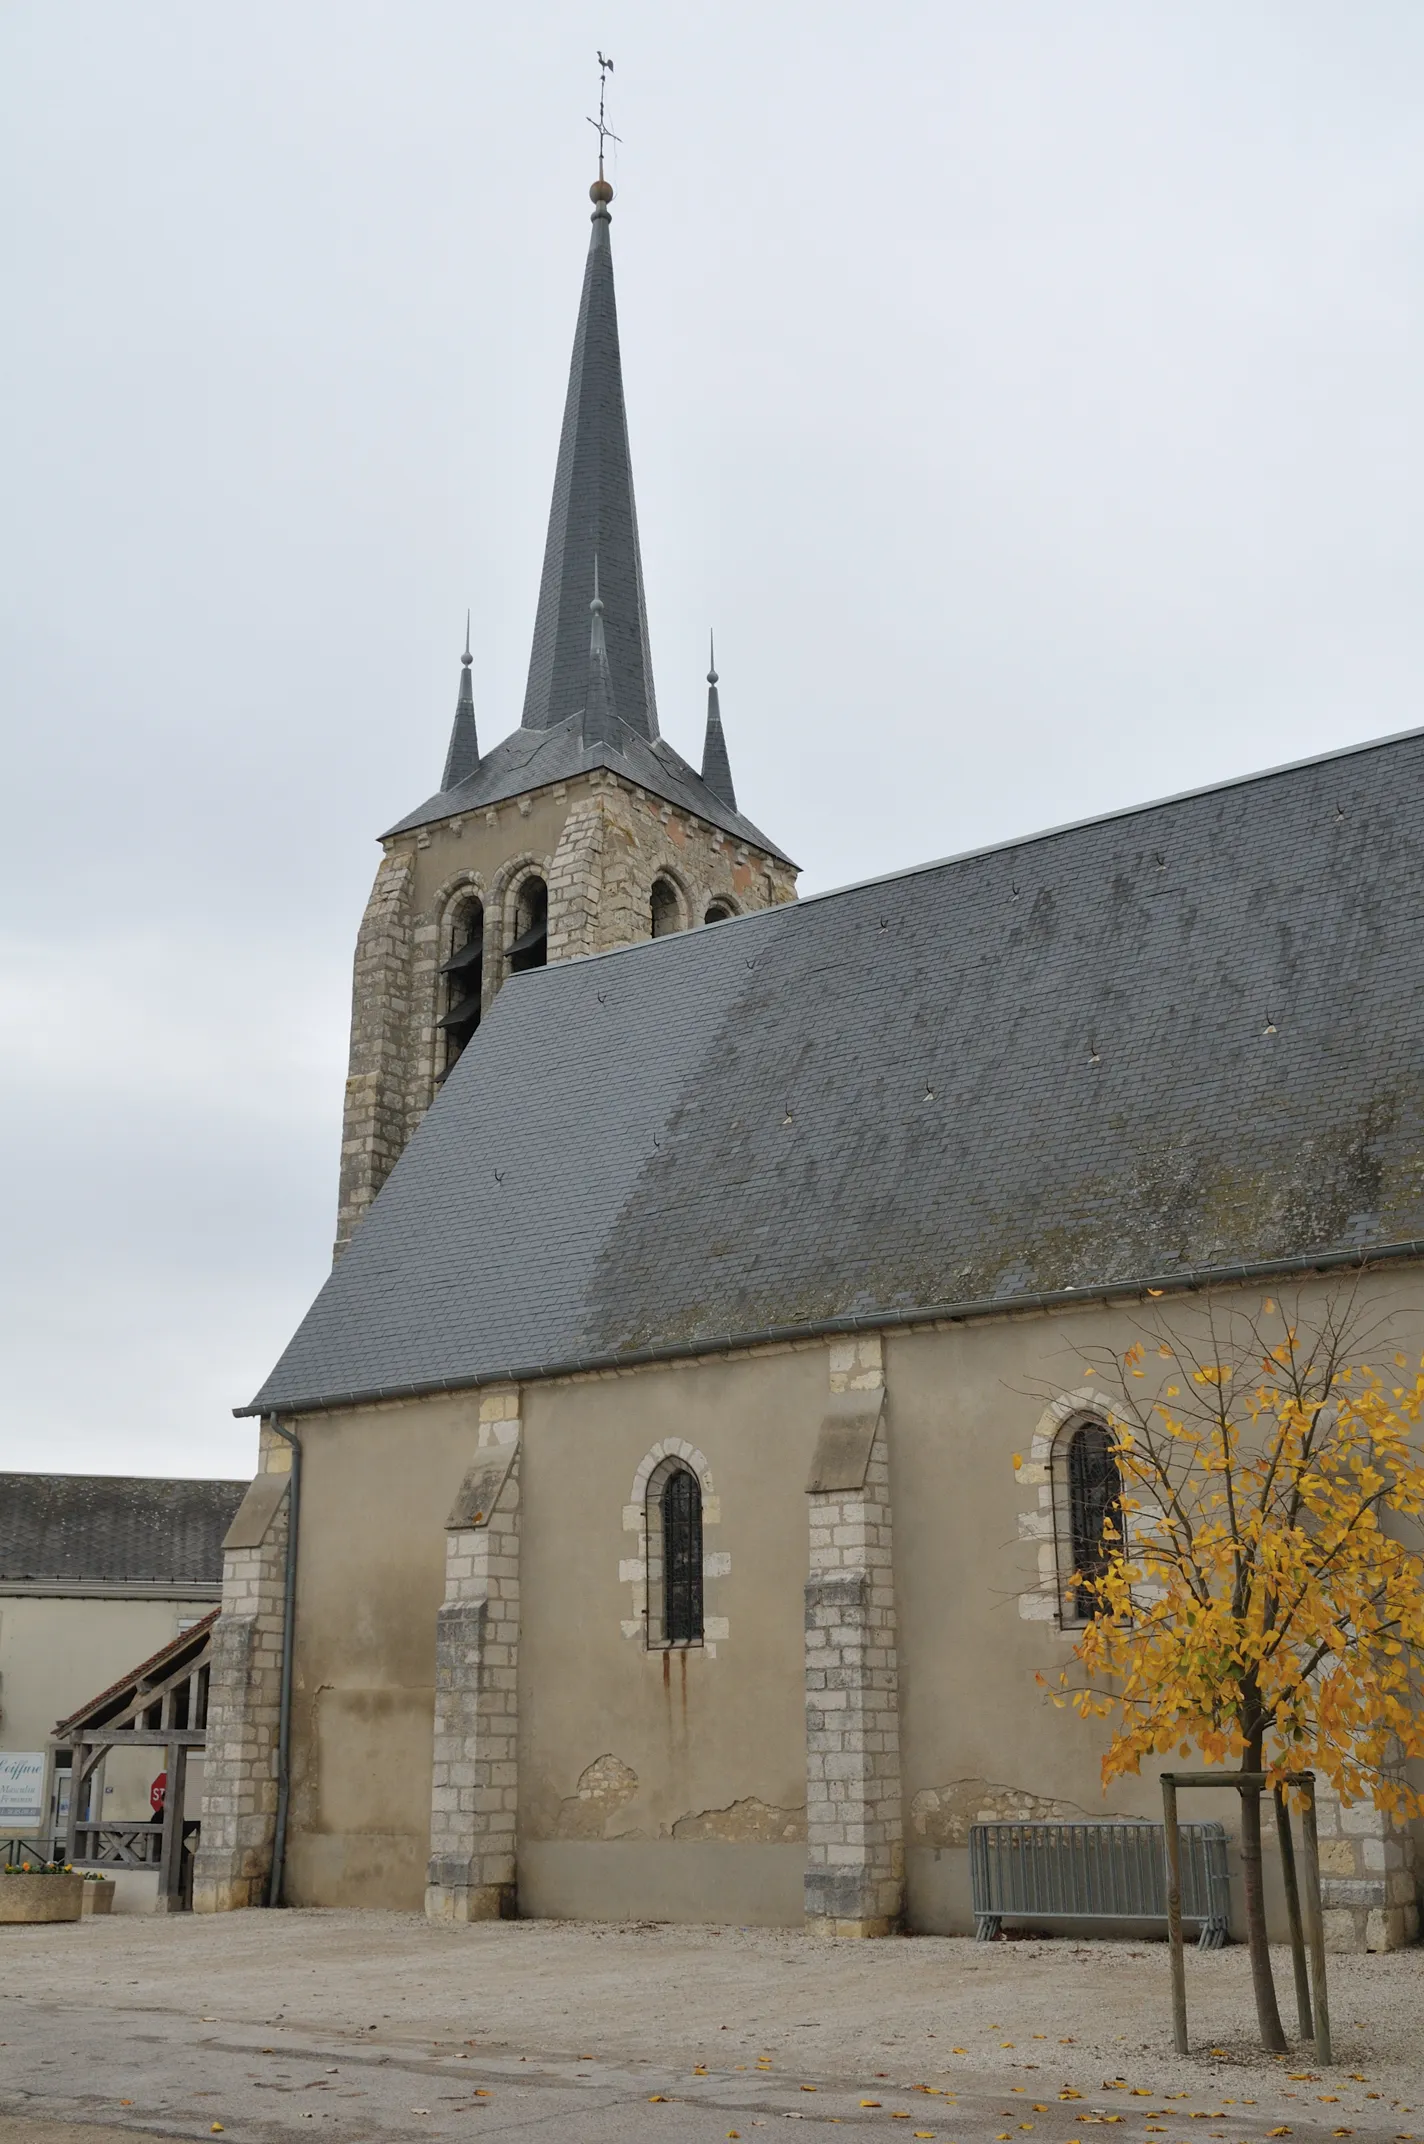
x=1182 y=1037
x=114 y=1528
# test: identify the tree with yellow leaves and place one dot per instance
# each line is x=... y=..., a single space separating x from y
x=1260 y=1590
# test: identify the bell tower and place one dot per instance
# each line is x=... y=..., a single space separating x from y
x=582 y=830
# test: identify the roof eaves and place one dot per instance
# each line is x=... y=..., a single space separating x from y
x=600 y=757
x=957 y=1313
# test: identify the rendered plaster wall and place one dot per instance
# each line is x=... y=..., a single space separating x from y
x=377 y=1485
x=628 y=1759
x=980 y=1737
x=666 y=1784
x=56 y=1653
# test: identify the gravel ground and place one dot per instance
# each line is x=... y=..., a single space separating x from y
x=1034 y=2016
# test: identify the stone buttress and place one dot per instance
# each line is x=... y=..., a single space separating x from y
x=854 y=1822
x=474 y=1776
x=234 y=1857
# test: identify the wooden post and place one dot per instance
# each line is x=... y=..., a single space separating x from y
x=1174 y=1912
x=76 y=1789
x=1287 y=1852
x=1310 y=1845
x=170 y=1869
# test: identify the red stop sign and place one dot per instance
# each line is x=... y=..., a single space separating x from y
x=157 y=1791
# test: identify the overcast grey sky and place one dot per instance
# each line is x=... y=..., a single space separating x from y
x=1030 y=391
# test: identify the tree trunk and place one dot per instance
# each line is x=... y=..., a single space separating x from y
x=1263 y=1986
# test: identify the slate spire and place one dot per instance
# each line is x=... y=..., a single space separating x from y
x=600 y=713
x=464 y=754
x=716 y=767
x=592 y=512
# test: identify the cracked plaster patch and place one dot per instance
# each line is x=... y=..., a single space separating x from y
x=604 y=1788
x=748 y=1822
x=941 y=1816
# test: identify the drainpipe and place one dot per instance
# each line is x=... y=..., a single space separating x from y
x=289 y=1607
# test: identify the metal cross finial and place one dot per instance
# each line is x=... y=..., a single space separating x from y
x=605 y=132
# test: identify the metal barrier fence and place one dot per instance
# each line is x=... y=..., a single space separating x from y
x=1085 y=1872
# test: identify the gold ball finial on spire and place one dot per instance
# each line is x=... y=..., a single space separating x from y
x=600 y=193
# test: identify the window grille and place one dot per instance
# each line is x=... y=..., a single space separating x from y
x=1094 y=1512
x=682 y=1558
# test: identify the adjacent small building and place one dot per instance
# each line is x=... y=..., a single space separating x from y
x=97 y=1571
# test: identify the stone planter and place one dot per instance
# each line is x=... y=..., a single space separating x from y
x=98 y=1896
x=42 y=1898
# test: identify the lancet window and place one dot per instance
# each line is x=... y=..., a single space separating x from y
x=674 y=1558
x=1094 y=1514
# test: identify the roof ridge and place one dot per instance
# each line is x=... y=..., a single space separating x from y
x=1015 y=841
x=1120 y=811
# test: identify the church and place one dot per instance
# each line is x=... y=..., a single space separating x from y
x=668 y=1503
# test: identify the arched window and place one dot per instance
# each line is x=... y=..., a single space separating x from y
x=674 y=1557
x=718 y=912
x=464 y=974
x=666 y=908
x=530 y=946
x=1094 y=1514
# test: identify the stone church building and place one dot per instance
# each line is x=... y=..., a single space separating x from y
x=665 y=1507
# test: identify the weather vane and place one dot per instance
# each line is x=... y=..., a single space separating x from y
x=604 y=131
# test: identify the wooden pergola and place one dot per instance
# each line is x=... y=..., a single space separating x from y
x=161 y=1705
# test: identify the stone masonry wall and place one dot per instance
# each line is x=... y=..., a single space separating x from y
x=1368 y=1881
x=600 y=842
x=373 y=1126
x=475 y=1775
x=617 y=840
x=855 y=1839
x=234 y=1856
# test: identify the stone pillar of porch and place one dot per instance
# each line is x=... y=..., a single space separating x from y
x=475 y=1776
x=855 y=1840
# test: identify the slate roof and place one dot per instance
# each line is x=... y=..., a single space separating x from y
x=593 y=532
x=592 y=515
x=531 y=759
x=1187 y=1036
x=114 y=1528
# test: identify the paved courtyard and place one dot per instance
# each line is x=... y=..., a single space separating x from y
x=263 y=2026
